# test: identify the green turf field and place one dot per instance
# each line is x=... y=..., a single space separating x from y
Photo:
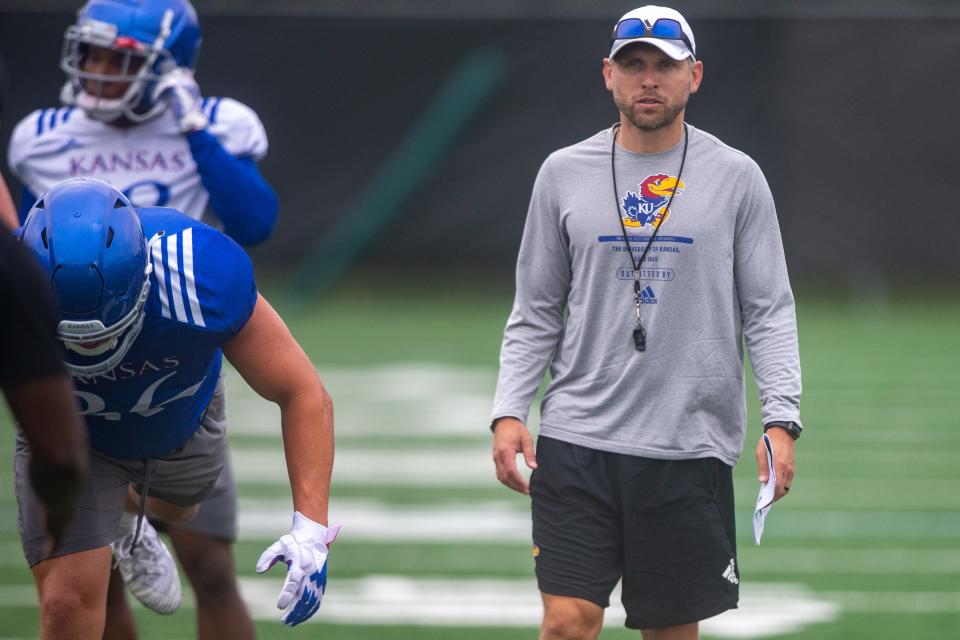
x=867 y=546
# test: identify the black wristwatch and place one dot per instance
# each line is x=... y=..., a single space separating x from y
x=792 y=428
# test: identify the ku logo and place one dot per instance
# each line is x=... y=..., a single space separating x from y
x=647 y=209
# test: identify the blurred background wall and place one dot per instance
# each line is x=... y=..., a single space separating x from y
x=848 y=107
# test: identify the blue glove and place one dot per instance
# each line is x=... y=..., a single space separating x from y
x=304 y=550
x=178 y=89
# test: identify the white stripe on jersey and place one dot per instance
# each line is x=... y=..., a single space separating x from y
x=157 y=253
x=188 y=276
x=175 y=278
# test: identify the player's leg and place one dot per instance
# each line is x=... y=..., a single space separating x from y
x=72 y=589
x=208 y=563
x=577 y=538
x=570 y=618
x=149 y=571
x=204 y=544
x=72 y=584
x=120 y=623
x=180 y=481
x=159 y=509
x=679 y=545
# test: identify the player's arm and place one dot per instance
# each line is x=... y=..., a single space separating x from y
x=239 y=195
x=273 y=364
x=8 y=212
x=37 y=388
x=45 y=410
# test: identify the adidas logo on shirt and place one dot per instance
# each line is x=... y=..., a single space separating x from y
x=647 y=296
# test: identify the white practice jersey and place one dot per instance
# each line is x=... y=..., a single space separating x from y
x=150 y=162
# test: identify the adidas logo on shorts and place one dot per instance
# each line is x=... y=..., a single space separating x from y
x=730 y=574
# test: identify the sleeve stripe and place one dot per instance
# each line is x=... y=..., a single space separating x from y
x=66 y=115
x=43 y=112
x=213 y=111
x=53 y=119
x=176 y=292
x=188 y=277
x=157 y=253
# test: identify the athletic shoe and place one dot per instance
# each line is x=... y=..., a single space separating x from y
x=149 y=571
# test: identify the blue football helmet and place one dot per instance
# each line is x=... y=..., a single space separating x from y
x=150 y=36
x=89 y=240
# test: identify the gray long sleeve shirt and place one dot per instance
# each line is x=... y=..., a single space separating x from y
x=714 y=276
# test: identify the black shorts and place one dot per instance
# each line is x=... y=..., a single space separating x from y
x=665 y=526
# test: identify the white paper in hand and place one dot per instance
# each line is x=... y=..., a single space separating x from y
x=767 y=491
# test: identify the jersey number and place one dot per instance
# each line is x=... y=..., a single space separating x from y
x=96 y=405
x=148 y=193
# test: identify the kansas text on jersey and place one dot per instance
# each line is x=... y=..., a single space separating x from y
x=150 y=163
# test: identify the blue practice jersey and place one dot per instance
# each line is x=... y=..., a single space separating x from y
x=202 y=293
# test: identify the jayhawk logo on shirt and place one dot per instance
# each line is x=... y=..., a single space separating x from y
x=647 y=208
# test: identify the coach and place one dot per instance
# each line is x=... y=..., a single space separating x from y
x=651 y=252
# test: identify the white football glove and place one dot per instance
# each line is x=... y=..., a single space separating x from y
x=304 y=550
x=179 y=91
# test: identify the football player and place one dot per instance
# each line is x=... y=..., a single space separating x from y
x=150 y=301
x=133 y=116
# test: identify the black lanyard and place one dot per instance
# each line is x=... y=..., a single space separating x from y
x=639 y=333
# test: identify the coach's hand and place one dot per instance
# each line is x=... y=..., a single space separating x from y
x=511 y=437
x=783 y=452
x=179 y=90
x=304 y=550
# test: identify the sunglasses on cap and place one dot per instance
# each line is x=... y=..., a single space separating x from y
x=663 y=28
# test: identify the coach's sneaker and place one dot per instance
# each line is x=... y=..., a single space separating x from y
x=149 y=571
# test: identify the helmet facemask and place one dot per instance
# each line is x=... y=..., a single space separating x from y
x=142 y=65
x=90 y=338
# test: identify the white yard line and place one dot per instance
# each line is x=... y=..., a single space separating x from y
x=770 y=607
x=389 y=400
x=916 y=602
x=471 y=465
x=765 y=609
x=510 y=523
x=515 y=532
x=375 y=522
x=462 y=467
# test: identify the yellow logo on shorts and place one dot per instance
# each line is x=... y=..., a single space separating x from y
x=536 y=551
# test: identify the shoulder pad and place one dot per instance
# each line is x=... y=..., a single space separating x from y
x=236 y=126
x=203 y=278
x=32 y=135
